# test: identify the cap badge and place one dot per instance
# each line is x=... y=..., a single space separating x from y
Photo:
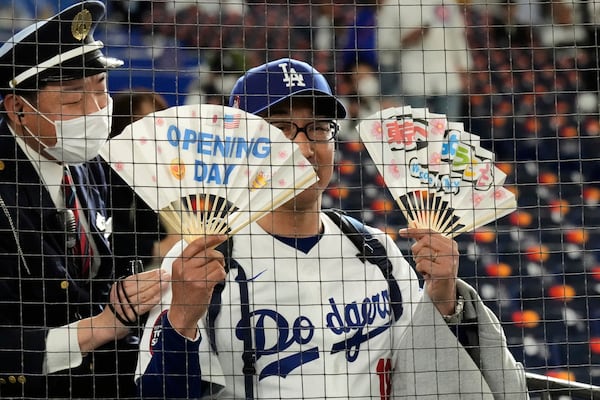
x=81 y=25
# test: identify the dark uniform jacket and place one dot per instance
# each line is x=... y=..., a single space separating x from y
x=39 y=289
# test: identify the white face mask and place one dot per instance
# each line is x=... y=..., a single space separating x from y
x=79 y=139
x=368 y=86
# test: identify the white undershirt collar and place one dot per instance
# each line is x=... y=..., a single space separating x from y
x=50 y=171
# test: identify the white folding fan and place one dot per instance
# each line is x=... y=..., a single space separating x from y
x=208 y=168
x=439 y=174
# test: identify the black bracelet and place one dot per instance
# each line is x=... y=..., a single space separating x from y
x=118 y=316
x=131 y=307
x=124 y=320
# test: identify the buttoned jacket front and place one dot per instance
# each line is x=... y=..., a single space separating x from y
x=37 y=292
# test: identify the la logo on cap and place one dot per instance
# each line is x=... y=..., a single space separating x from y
x=81 y=25
x=291 y=77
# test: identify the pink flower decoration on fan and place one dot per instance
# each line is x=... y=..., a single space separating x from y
x=303 y=164
x=438 y=126
x=435 y=159
x=394 y=169
x=159 y=149
x=282 y=182
x=160 y=121
x=143 y=140
x=194 y=114
x=283 y=154
x=119 y=166
x=377 y=130
x=262 y=127
x=153 y=178
x=499 y=194
x=477 y=199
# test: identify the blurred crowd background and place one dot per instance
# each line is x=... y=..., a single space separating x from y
x=529 y=89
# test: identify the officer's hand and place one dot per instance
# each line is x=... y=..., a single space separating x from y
x=135 y=295
x=194 y=276
x=436 y=258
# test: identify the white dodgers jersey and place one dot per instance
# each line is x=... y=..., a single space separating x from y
x=322 y=324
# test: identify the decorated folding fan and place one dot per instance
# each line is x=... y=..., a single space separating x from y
x=439 y=174
x=208 y=168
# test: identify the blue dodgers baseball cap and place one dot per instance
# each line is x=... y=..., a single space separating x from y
x=269 y=84
x=59 y=48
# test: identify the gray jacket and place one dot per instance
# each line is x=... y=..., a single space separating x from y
x=484 y=369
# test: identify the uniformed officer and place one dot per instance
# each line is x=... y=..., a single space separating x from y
x=65 y=325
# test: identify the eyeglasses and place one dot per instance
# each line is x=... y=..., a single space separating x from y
x=317 y=131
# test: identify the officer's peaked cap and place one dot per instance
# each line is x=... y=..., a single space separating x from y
x=269 y=84
x=59 y=48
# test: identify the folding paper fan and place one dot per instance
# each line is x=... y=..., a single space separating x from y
x=438 y=173
x=208 y=168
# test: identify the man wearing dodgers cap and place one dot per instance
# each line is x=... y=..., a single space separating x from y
x=301 y=315
x=65 y=325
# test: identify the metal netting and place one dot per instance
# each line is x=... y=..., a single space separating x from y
x=523 y=75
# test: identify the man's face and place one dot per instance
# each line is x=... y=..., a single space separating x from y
x=319 y=153
x=63 y=101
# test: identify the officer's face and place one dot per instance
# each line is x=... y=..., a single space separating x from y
x=319 y=153
x=63 y=101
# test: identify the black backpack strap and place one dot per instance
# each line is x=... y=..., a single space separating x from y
x=248 y=356
x=371 y=250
